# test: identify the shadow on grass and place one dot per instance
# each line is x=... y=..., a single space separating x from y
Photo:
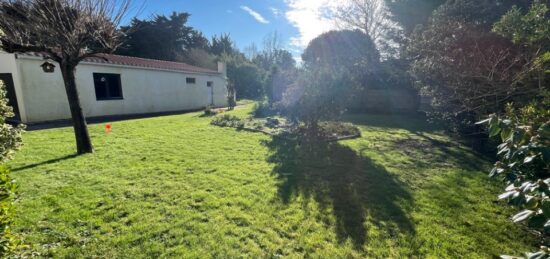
x=423 y=148
x=351 y=187
x=47 y=162
x=411 y=122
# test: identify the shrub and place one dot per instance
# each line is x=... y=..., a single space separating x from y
x=263 y=109
x=10 y=141
x=524 y=163
x=7 y=195
x=227 y=120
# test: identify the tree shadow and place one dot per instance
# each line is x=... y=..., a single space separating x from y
x=410 y=122
x=352 y=187
x=47 y=162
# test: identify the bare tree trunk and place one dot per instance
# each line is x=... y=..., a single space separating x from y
x=83 y=141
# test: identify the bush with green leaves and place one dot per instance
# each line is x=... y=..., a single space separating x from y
x=524 y=163
x=263 y=109
x=229 y=121
x=8 y=241
x=10 y=141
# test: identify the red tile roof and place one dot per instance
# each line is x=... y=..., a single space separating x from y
x=142 y=62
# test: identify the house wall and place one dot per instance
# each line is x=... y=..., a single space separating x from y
x=8 y=65
x=144 y=91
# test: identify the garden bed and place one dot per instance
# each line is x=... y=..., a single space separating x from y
x=281 y=127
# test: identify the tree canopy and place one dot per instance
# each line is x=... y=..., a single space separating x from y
x=463 y=66
x=163 y=37
x=353 y=50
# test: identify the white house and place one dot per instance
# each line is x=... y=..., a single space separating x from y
x=110 y=85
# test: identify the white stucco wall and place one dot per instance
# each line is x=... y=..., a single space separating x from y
x=144 y=91
x=8 y=65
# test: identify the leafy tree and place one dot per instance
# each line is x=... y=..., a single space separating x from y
x=223 y=45
x=245 y=78
x=410 y=13
x=466 y=69
x=278 y=81
x=318 y=94
x=280 y=58
x=352 y=52
x=531 y=31
x=164 y=38
x=66 y=32
x=10 y=141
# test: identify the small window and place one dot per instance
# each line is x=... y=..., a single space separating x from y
x=107 y=87
x=191 y=80
x=209 y=83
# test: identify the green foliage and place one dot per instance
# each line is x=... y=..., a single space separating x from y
x=536 y=113
x=10 y=137
x=354 y=51
x=10 y=141
x=263 y=109
x=466 y=69
x=531 y=30
x=319 y=94
x=8 y=242
x=246 y=78
x=524 y=163
x=525 y=28
x=226 y=120
x=280 y=58
x=162 y=37
x=410 y=13
x=338 y=64
x=223 y=45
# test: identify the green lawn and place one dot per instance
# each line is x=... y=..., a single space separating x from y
x=177 y=187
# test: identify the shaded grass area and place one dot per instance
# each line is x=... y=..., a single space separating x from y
x=177 y=187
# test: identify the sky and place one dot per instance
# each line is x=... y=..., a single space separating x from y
x=249 y=21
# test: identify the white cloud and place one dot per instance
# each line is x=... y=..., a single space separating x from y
x=276 y=12
x=257 y=16
x=311 y=18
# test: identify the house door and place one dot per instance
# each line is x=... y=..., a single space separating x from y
x=10 y=94
x=210 y=86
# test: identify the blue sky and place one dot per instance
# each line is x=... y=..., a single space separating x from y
x=249 y=21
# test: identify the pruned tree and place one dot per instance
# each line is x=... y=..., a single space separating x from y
x=67 y=32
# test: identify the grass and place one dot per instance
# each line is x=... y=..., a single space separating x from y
x=178 y=187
